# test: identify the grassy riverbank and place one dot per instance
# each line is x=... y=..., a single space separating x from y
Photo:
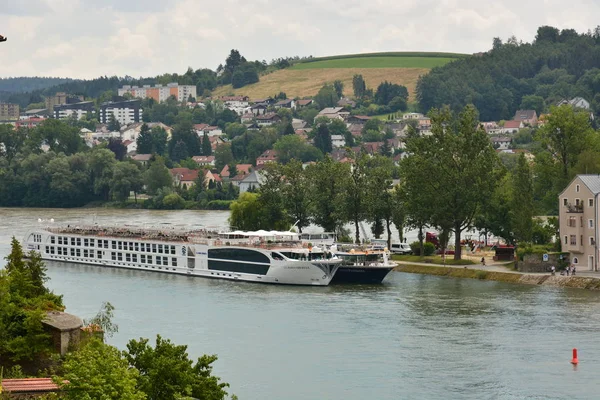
x=576 y=282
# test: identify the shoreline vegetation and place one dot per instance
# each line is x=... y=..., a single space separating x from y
x=574 y=282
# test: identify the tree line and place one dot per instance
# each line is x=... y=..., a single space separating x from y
x=559 y=64
x=92 y=370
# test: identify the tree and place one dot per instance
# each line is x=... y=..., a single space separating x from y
x=296 y=197
x=206 y=145
x=292 y=147
x=103 y=320
x=179 y=152
x=322 y=139
x=533 y=102
x=380 y=199
x=497 y=43
x=159 y=140
x=327 y=96
x=456 y=169
x=271 y=196
x=359 y=86
x=353 y=196
x=99 y=372
x=223 y=156
x=246 y=213
x=339 y=88
x=327 y=177
x=289 y=129
x=522 y=207
x=113 y=124
x=157 y=176
x=126 y=178
x=387 y=91
x=144 y=140
x=101 y=165
x=117 y=147
x=167 y=372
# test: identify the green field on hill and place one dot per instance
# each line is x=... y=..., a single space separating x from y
x=380 y=60
x=376 y=62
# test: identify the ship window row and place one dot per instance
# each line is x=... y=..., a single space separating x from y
x=65 y=241
x=143 y=247
x=144 y=259
x=63 y=251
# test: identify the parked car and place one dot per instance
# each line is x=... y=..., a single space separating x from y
x=401 y=248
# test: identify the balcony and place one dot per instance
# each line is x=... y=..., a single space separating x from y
x=575 y=208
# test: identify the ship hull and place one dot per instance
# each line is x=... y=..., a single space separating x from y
x=360 y=275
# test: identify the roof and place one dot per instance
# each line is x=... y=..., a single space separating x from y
x=591 y=181
x=268 y=154
x=267 y=116
x=142 y=157
x=62 y=321
x=243 y=168
x=203 y=159
x=525 y=114
x=501 y=139
x=185 y=174
x=331 y=110
x=304 y=102
x=28 y=385
x=512 y=124
x=284 y=102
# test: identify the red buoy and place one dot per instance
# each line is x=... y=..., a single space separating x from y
x=575 y=361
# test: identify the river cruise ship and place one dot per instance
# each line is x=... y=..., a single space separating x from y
x=243 y=256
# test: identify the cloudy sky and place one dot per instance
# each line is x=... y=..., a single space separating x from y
x=89 y=38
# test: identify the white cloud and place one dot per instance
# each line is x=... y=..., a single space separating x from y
x=89 y=38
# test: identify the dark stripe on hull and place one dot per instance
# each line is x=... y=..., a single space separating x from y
x=364 y=275
x=232 y=266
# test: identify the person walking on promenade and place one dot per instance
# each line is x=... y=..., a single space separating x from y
x=573 y=270
x=483 y=261
x=552 y=270
x=568 y=269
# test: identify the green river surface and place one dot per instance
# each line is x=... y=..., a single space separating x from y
x=413 y=337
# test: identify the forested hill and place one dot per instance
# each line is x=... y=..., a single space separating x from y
x=29 y=84
x=516 y=75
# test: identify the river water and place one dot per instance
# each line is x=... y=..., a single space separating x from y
x=415 y=337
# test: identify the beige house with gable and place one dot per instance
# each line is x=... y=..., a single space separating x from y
x=578 y=217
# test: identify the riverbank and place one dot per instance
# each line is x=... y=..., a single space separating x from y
x=577 y=282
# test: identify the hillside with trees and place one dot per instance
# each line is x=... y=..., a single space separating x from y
x=515 y=75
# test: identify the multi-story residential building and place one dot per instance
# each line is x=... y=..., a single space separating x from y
x=578 y=219
x=159 y=92
x=126 y=112
x=83 y=108
x=61 y=98
x=9 y=111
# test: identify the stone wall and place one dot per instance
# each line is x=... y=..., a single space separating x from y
x=535 y=262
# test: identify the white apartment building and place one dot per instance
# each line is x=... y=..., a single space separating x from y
x=79 y=110
x=160 y=93
x=126 y=112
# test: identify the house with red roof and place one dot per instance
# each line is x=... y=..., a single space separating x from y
x=511 y=127
x=527 y=117
x=266 y=156
x=204 y=160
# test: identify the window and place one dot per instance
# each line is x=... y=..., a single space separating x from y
x=573 y=239
x=113 y=255
x=590 y=202
x=565 y=202
x=79 y=242
x=119 y=256
x=143 y=258
x=120 y=245
x=592 y=241
x=85 y=253
x=114 y=244
x=86 y=243
x=174 y=261
x=581 y=240
x=158 y=260
x=127 y=257
x=172 y=249
x=153 y=248
x=577 y=188
x=99 y=255
x=92 y=242
x=590 y=223
x=572 y=222
x=575 y=260
x=52 y=239
x=238 y=254
x=134 y=257
x=160 y=248
x=149 y=259
x=72 y=241
x=47 y=249
x=130 y=246
x=78 y=252
x=59 y=251
x=60 y=240
x=136 y=246
x=72 y=252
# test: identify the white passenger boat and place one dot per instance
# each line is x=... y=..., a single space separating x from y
x=244 y=256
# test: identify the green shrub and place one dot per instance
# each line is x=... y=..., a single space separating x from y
x=481 y=274
x=428 y=249
x=416 y=248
